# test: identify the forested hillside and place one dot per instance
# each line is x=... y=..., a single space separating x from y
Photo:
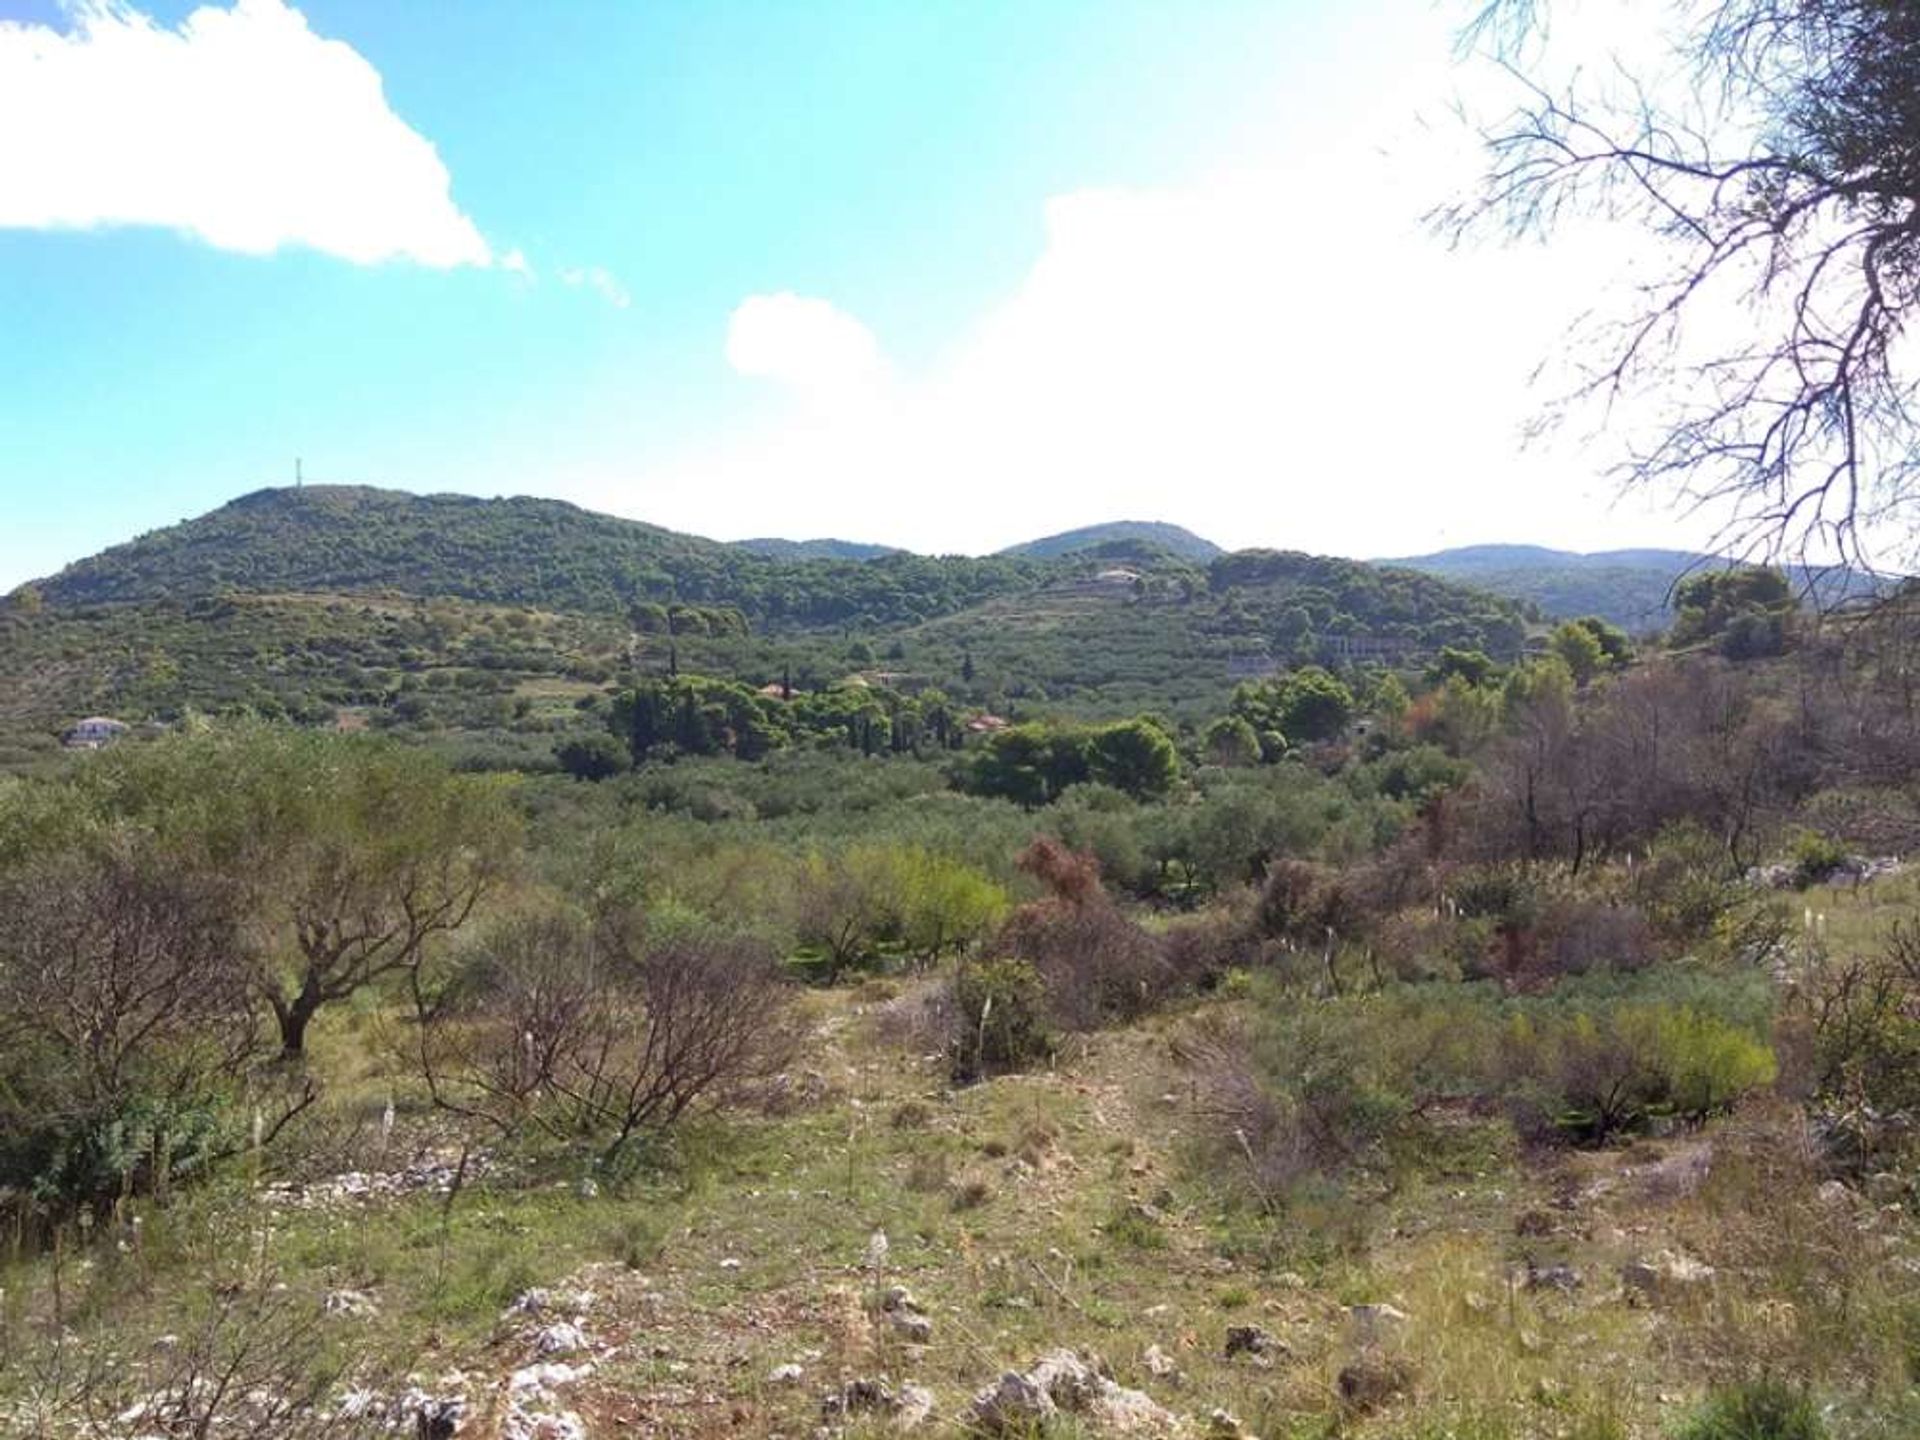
x=446 y=615
x=518 y=551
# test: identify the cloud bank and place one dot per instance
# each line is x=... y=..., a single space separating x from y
x=241 y=127
x=1278 y=355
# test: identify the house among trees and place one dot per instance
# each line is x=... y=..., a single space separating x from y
x=1107 y=583
x=93 y=732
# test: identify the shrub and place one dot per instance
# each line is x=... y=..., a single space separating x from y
x=1582 y=936
x=1686 y=884
x=576 y=1028
x=126 y=1020
x=1602 y=1070
x=1095 y=963
x=1765 y=1409
x=1816 y=858
x=999 y=1019
x=596 y=756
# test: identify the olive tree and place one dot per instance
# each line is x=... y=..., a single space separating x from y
x=355 y=854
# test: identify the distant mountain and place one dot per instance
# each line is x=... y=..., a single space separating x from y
x=1631 y=588
x=775 y=549
x=1171 y=538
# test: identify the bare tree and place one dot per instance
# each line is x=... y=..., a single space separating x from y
x=125 y=974
x=1787 y=178
x=577 y=1028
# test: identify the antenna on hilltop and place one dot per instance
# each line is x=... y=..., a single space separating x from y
x=298 y=479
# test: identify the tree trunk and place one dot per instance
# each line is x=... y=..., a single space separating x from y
x=293 y=1017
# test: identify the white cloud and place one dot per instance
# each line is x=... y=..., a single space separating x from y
x=240 y=126
x=1278 y=355
x=599 y=280
x=809 y=345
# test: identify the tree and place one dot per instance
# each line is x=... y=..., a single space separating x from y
x=847 y=903
x=357 y=853
x=945 y=905
x=1579 y=650
x=1472 y=666
x=1314 y=705
x=1788 y=176
x=592 y=757
x=575 y=1027
x=1135 y=756
x=1231 y=741
x=126 y=1014
x=1746 y=611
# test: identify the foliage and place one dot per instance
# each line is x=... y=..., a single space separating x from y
x=1816 y=858
x=356 y=854
x=1746 y=613
x=1034 y=764
x=126 y=1018
x=1765 y=1409
x=999 y=1019
x=593 y=757
x=1305 y=705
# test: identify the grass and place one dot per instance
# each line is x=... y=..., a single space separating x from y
x=1057 y=1208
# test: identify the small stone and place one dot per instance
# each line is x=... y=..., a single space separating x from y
x=350 y=1304
x=1013 y=1403
x=915 y=1407
x=788 y=1374
x=1225 y=1425
x=914 y=1329
x=730 y=1263
x=1563 y=1278
x=561 y=1338
x=1665 y=1276
x=1373 y=1324
x=1370 y=1382
x=1251 y=1340
x=1159 y=1364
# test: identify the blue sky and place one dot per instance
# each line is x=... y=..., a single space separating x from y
x=940 y=274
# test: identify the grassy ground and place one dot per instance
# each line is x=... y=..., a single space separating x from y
x=1070 y=1207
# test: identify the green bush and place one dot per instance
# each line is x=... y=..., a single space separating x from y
x=87 y=1162
x=999 y=1019
x=1755 y=1410
x=1816 y=858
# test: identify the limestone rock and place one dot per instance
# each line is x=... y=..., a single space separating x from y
x=1372 y=1381
x=1375 y=1324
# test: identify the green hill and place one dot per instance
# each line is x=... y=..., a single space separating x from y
x=1171 y=538
x=519 y=551
x=446 y=616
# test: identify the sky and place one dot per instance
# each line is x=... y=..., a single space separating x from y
x=946 y=275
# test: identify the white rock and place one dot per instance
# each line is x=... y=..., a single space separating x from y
x=561 y=1338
